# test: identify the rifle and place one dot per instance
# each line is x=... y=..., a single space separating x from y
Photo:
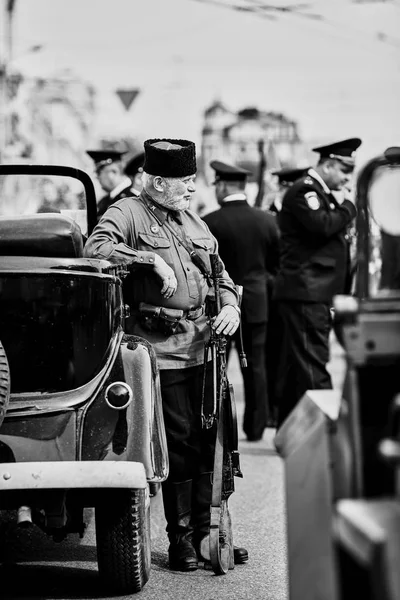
x=226 y=457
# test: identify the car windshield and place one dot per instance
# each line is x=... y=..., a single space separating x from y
x=30 y=194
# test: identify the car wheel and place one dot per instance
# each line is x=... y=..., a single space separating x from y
x=4 y=383
x=123 y=539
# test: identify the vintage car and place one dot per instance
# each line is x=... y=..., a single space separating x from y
x=81 y=421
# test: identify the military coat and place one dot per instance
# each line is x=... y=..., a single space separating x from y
x=248 y=240
x=315 y=244
x=131 y=232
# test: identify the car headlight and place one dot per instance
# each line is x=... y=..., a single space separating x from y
x=118 y=395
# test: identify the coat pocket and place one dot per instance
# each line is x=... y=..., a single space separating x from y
x=203 y=243
x=154 y=241
x=203 y=247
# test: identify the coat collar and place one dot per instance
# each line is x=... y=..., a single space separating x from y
x=125 y=184
x=234 y=197
x=312 y=173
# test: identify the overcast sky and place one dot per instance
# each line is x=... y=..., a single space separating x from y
x=332 y=73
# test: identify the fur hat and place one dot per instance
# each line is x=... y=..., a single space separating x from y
x=169 y=158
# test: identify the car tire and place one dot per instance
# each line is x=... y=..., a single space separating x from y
x=4 y=383
x=123 y=539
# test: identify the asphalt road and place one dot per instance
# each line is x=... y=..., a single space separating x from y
x=36 y=567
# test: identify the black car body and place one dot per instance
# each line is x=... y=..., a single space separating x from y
x=83 y=424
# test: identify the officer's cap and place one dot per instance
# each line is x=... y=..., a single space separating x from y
x=135 y=165
x=103 y=158
x=288 y=176
x=228 y=172
x=342 y=151
x=170 y=158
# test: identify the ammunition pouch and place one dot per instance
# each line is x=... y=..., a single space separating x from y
x=158 y=318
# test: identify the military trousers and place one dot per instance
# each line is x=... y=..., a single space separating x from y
x=254 y=378
x=272 y=357
x=190 y=446
x=304 y=352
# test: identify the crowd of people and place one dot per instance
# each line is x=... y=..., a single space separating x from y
x=290 y=261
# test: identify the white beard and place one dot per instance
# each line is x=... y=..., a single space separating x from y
x=173 y=203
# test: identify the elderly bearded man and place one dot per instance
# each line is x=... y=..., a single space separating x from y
x=155 y=235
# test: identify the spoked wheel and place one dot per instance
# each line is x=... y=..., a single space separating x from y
x=4 y=383
x=123 y=539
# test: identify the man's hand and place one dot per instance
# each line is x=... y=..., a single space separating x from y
x=227 y=321
x=167 y=276
x=349 y=193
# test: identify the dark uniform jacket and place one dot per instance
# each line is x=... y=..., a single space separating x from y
x=248 y=241
x=107 y=201
x=315 y=257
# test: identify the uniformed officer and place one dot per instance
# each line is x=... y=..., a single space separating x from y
x=134 y=170
x=249 y=246
x=286 y=177
x=315 y=265
x=156 y=235
x=111 y=176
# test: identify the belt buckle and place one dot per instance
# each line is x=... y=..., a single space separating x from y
x=195 y=313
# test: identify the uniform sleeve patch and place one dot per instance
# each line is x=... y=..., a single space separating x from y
x=312 y=200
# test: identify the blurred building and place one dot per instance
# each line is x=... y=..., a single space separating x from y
x=236 y=137
x=50 y=120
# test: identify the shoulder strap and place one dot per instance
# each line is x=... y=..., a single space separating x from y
x=187 y=244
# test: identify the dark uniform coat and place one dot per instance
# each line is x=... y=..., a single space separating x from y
x=315 y=266
x=107 y=201
x=249 y=246
x=315 y=249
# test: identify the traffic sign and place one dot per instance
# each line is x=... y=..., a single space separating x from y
x=127 y=97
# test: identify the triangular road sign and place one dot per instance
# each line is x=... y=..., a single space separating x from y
x=127 y=97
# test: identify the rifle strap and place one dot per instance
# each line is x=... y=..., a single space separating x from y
x=218 y=461
x=187 y=244
x=220 y=549
x=234 y=441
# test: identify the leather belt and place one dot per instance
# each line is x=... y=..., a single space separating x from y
x=193 y=313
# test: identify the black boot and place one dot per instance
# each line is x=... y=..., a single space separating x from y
x=177 y=499
x=202 y=493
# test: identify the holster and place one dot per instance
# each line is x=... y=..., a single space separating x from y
x=158 y=318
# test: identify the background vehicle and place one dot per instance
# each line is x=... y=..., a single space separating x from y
x=342 y=447
x=83 y=426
